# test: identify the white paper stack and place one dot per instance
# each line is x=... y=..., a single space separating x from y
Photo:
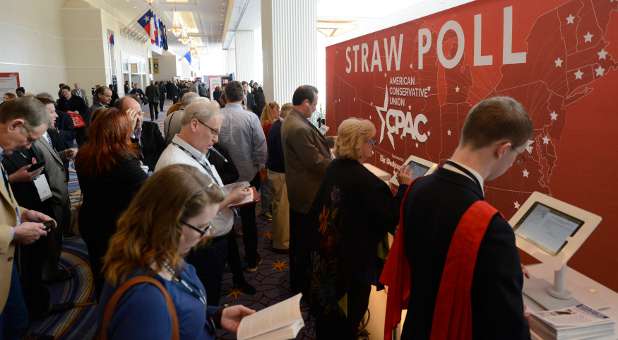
x=577 y=322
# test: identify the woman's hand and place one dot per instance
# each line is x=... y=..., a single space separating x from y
x=231 y=316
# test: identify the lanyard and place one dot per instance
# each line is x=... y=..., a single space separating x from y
x=186 y=286
x=465 y=171
x=205 y=166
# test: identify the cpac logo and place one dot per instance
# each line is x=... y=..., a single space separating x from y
x=396 y=122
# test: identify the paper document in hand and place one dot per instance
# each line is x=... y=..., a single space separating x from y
x=251 y=196
x=277 y=322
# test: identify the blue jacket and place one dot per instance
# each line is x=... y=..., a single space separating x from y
x=142 y=313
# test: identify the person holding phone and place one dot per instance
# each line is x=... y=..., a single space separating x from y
x=150 y=245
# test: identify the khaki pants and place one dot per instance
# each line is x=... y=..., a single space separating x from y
x=281 y=210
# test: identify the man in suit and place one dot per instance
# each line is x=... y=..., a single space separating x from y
x=152 y=93
x=22 y=122
x=306 y=156
x=148 y=135
x=39 y=261
x=466 y=276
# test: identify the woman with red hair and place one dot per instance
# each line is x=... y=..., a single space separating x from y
x=109 y=173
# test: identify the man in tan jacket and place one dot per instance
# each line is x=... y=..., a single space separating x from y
x=22 y=122
x=306 y=157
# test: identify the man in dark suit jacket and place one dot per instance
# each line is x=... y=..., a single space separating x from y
x=152 y=93
x=495 y=132
x=306 y=157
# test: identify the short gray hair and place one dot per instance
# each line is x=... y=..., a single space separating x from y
x=28 y=108
x=189 y=98
x=201 y=110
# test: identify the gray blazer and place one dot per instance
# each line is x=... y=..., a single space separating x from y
x=56 y=177
x=306 y=157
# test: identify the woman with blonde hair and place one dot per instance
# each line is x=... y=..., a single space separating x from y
x=150 y=291
x=356 y=209
x=270 y=114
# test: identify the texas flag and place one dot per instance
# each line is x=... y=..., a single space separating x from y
x=147 y=21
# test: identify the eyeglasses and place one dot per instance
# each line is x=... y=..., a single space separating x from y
x=202 y=232
x=213 y=130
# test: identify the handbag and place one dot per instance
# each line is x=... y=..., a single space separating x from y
x=110 y=307
x=78 y=120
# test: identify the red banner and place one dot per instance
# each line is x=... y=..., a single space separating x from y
x=418 y=80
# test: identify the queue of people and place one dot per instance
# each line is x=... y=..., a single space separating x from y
x=158 y=219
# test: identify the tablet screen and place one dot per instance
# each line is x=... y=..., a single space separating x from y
x=547 y=228
x=418 y=170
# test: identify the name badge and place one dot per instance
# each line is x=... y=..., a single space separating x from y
x=42 y=187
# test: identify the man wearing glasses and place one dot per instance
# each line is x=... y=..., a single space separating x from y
x=22 y=122
x=242 y=136
x=201 y=123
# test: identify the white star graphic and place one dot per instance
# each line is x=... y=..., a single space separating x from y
x=516 y=205
x=558 y=62
x=417 y=145
x=457 y=89
x=529 y=146
x=525 y=173
x=554 y=115
x=570 y=19
x=546 y=140
x=428 y=133
x=382 y=110
x=449 y=132
x=600 y=71
x=588 y=37
x=578 y=74
x=602 y=54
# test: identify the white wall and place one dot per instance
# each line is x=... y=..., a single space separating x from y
x=32 y=43
x=167 y=67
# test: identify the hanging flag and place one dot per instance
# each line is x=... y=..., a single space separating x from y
x=145 y=21
x=188 y=57
x=163 y=33
x=111 y=38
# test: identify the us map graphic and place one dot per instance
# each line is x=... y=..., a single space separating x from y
x=417 y=81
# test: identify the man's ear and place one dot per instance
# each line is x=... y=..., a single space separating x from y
x=15 y=123
x=502 y=148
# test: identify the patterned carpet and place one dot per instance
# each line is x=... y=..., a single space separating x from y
x=271 y=282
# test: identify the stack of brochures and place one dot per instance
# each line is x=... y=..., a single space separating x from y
x=577 y=322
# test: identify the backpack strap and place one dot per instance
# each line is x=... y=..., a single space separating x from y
x=110 y=308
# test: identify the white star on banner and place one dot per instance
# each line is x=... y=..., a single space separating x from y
x=600 y=71
x=417 y=145
x=588 y=37
x=570 y=19
x=602 y=54
x=525 y=173
x=428 y=133
x=449 y=132
x=457 y=89
x=553 y=115
x=578 y=74
x=516 y=205
x=546 y=140
x=558 y=62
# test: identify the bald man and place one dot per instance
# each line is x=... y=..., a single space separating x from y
x=147 y=134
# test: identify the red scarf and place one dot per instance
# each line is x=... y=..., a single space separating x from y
x=452 y=319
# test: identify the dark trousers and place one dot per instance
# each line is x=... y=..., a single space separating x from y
x=329 y=326
x=154 y=110
x=161 y=103
x=233 y=259
x=249 y=228
x=14 y=316
x=303 y=239
x=209 y=262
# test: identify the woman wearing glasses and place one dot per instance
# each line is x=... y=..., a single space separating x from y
x=354 y=210
x=168 y=216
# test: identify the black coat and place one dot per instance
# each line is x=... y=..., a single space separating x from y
x=151 y=143
x=25 y=192
x=432 y=212
x=75 y=104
